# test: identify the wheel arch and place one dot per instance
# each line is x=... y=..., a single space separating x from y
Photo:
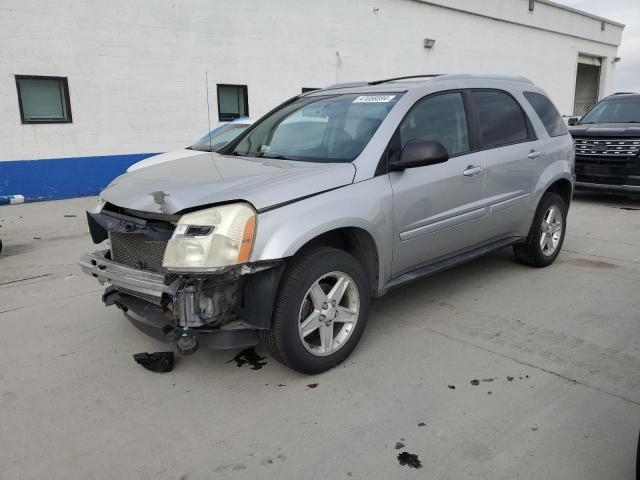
x=354 y=240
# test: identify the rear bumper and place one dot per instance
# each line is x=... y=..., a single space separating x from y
x=223 y=309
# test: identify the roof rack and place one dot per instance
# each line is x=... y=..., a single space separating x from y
x=343 y=85
x=428 y=75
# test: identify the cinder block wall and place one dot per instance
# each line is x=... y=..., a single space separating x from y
x=136 y=69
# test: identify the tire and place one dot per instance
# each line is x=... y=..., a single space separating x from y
x=305 y=349
x=533 y=251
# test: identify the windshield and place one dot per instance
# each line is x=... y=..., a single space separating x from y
x=219 y=137
x=614 y=111
x=332 y=128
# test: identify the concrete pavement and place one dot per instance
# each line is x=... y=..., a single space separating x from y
x=555 y=352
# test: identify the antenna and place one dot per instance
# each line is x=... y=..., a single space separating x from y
x=206 y=82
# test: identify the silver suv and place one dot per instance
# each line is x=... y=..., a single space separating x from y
x=330 y=199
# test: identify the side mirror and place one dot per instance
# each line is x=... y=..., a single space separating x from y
x=419 y=153
x=572 y=121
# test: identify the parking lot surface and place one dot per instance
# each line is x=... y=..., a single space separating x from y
x=491 y=370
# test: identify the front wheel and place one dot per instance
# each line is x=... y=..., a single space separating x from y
x=321 y=310
x=547 y=232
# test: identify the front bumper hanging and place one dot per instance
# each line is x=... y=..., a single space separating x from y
x=222 y=309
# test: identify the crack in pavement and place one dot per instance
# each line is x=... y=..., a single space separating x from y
x=27 y=278
x=527 y=364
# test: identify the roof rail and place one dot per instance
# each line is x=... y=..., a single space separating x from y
x=623 y=93
x=428 y=75
x=509 y=78
x=343 y=85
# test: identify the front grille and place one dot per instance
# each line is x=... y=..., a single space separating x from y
x=607 y=147
x=137 y=250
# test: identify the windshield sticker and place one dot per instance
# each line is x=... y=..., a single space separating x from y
x=374 y=98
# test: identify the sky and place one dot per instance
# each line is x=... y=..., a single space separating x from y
x=628 y=13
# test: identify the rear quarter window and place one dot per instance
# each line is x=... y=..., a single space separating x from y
x=548 y=114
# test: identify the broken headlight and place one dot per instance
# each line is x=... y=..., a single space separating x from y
x=210 y=238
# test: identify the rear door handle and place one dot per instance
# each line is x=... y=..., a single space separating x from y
x=472 y=170
x=534 y=154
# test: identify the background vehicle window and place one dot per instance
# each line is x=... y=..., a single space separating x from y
x=439 y=118
x=501 y=120
x=548 y=114
x=619 y=110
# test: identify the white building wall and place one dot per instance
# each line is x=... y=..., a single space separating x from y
x=136 y=68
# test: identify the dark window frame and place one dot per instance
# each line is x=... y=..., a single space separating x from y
x=525 y=95
x=65 y=91
x=309 y=89
x=531 y=133
x=225 y=117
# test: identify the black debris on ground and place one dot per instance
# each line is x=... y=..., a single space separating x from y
x=409 y=459
x=421 y=424
x=452 y=387
x=489 y=392
x=70 y=216
x=400 y=445
x=510 y=379
x=37 y=238
x=312 y=385
x=487 y=379
x=475 y=381
x=160 y=362
x=249 y=356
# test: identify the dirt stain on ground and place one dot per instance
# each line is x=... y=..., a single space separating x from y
x=409 y=459
x=587 y=263
x=249 y=356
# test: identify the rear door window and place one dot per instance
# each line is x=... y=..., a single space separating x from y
x=548 y=114
x=500 y=118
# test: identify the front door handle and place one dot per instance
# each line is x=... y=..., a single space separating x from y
x=472 y=170
x=534 y=154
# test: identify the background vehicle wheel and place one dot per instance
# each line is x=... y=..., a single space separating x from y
x=547 y=231
x=321 y=310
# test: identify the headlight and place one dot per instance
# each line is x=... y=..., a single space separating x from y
x=215 y=237
x=99 y=206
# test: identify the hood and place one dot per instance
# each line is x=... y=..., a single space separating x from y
x=163 y=157
x=197 y=180
x=606 y=130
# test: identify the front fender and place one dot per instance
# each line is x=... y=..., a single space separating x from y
x=366 y=205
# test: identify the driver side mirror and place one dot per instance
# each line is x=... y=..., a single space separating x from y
x=419 y=153
x=572 y=121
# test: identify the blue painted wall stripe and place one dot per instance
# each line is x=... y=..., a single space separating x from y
x=56 y=178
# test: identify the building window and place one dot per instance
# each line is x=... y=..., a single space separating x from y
x=308 y=89
x=232 y=102
x=43 y=99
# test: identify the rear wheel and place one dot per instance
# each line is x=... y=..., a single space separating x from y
x=547 y=231
x=321 y=310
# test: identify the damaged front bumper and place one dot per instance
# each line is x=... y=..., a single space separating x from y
x=221 y=309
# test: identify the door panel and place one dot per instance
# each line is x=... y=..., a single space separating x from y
x=437 y=208
x=513 y=157
x=437 y=211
